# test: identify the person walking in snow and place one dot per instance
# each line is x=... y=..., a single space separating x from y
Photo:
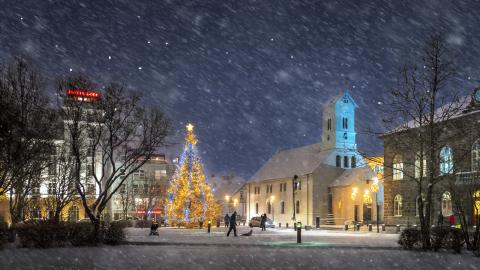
x=233 y=224
x=226 y=219
x=263 y=221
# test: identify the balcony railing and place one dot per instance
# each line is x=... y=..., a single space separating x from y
x=468 y=178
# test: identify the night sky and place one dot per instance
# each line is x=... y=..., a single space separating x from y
x=250 y=75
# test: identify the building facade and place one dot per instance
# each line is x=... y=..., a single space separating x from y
x=143 y=194
x=456 y=168
x=326 y=183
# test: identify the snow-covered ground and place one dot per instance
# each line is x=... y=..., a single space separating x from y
x=273 y=249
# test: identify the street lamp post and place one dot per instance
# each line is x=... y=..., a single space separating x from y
x=354 y=197
x=375 y=187
x=294 y=182
x=272 y=198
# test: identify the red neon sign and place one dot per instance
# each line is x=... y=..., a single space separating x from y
x=155 y=212
x=87 y=94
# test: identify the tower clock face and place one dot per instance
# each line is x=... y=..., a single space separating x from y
x=476 y=95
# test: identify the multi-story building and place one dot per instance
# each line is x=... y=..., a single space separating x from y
x=323 y=182
x=143 y=194
x=456 y=166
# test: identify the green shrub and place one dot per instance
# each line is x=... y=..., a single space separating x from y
x=41 y=234
x=123 y=223
x=83 y=234
x=114 y=233
x=447 y=238
x=144 y=223
x=410 y=238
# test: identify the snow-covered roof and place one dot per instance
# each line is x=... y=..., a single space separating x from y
x=287 y=163
x=448 y=111
x=348 y=177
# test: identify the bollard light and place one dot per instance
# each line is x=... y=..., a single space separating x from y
x=299 y=232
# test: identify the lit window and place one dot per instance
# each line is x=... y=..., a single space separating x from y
x=476 y=156
x=446 y=160
x=397 y=168
x=447 y=204
x=160 y=173
x=417 y=202
x=418 y=167
x=397 y=206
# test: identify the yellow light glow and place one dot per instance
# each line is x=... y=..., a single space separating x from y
x=190 y=127
x=272 y=198
x=227 y=198
x=366 y=197
x=354 y=193
x=235 y=201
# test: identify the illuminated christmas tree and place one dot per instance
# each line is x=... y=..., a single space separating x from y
x=190 y=199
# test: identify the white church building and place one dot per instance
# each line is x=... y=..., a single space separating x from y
x=326 y=183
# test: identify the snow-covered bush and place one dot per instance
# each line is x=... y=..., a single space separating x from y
x=114 y=233
x=83 y=234
x=447 y=238
x=42 y=234
x=409 y=238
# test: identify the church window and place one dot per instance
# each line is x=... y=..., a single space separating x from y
x=345 y=162
x=297 y=207
x=446 y=160
x=256 y=208
x=269 y=207
x=354 y=162
x=337 y=161
x=329 y=124
x=282 y=207
x=345 y=123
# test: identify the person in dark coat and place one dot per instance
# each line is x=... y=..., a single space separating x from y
x=440 y=219
x=226 y=219
x=263 y=221
x=233 y=224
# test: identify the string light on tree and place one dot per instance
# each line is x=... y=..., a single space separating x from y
x=190 y=199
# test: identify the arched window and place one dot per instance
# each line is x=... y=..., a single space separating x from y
x=345 y=162
x=420 y=167
x=397 y=168
x=282 y=207
x=446 y=204
x=476 y=156
x=397 y=205
x=446 y=160
x=354 y=162
x=256 y=208
x=269 y=207
x=417 y=202
x=338 y=161
x=297 y=207
x=73 y=214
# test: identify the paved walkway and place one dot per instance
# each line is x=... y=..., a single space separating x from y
x=271 y=237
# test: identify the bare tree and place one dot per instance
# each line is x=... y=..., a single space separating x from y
x=126 y=197
x=61 y=182
x=25 y=133
x=417 y=114
x=119 y=136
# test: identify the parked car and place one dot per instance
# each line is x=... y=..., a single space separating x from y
x=255 y=222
